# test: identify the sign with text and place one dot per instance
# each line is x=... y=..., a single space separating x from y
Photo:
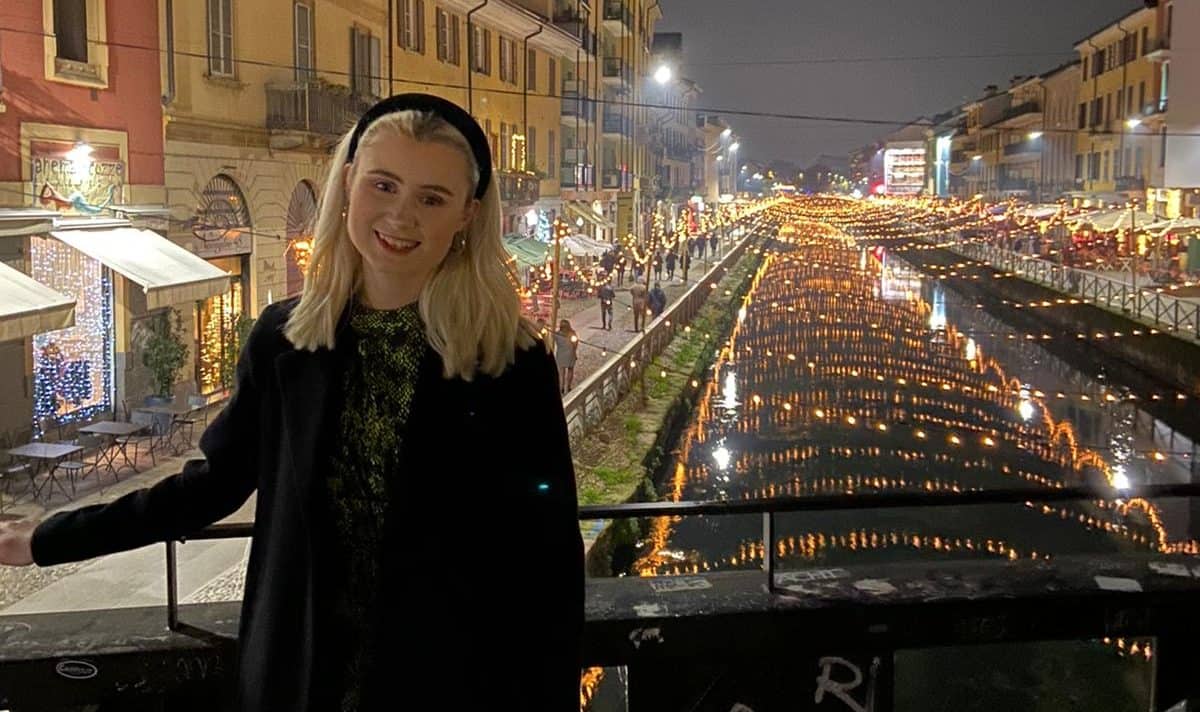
x=76 y=178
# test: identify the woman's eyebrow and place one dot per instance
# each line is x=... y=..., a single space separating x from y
x=398 y=179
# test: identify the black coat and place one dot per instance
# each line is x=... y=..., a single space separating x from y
x=483 y=567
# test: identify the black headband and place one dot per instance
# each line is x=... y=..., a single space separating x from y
x=449 y=112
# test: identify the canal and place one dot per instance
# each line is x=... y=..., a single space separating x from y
x=849 y=371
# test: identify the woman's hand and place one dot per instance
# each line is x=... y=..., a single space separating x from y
x=15 y=538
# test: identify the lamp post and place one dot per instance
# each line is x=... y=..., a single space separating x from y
x=733 y=148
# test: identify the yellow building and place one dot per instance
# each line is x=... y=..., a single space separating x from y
x=1119 y=108
x=250 y=120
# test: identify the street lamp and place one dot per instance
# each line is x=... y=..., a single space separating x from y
x=726 y=133
x=662 y=75
x=733 y=147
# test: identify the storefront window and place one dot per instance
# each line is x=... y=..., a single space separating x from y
x=218 y=342
x=72 y=367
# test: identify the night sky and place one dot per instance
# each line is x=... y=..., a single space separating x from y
x=718 y=32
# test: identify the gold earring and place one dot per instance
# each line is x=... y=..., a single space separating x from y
x=462 y=242
x=345 y=210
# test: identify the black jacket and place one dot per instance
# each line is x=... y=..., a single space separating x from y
x=483 y=567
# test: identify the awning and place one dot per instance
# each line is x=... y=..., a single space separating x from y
x=526 y=251
x=590 y=215
x=28 y=307
x=16 y=222
x=166 y=272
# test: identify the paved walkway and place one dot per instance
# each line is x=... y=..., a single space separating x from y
x=214 y=570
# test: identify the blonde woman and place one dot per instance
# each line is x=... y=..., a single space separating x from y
x=383 y=419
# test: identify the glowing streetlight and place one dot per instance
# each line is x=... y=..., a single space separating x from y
x=1035 y=135
x=662 y=75
x=1133 y=123
x=727 y=133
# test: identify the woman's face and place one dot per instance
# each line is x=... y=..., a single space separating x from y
x=407 y=200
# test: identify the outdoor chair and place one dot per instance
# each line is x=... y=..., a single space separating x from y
x=87 y=462
x=147 y=440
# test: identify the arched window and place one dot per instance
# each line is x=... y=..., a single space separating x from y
x=301 y=219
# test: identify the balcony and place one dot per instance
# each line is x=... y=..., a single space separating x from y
x=616 y=71
x=314 y=107
x=1023 y=148
x=518 y=188
x=618 y=19
x=617 y=124
x=1126 y=184
x=577 y=108
x=614 y=180
x=1029 y=107
x=577 y=175
x=1159 y=50
x=577 y=27
x=681 y=152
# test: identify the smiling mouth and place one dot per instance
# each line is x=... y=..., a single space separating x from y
x=395 y=244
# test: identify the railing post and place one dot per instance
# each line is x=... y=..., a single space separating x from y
x=769 y=549
x=172 y=588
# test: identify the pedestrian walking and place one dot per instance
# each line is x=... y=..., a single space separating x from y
x=607 y=295
x=713 y=242
x=657 y=300
x=403 y=371
x=566 y=352
x=684 y=263
x=670 y=260
x=620 y=270
x=658 y=263
x=638 y=298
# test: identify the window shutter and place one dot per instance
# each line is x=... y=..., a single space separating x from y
x=487 y=52
x=455 y=52
x=421 y=26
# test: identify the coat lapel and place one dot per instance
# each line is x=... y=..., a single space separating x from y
x=309 y=382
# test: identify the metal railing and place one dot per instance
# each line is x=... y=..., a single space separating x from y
x=1150 y=305
x=313 y=106
x=593 y=399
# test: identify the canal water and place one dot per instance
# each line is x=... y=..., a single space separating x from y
x=849 y=372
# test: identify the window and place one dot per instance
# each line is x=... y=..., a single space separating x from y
x=1120 y=101
x=531 y=70
x=1142 y=96
x=1084 y=75
x=411 y=32
x=1104 y=170
x=302 y=27
x=508 y=60
x=552 y=76
x=1082 y=116
x=70 y=30
x=364 y=62
x=531 y=163
x=550 y=164
x=1129 y=100
x=1140 y=157
x=481 y=50
x=449 y=49
x=1145 y=40
x=1127 y=162
x=505 y=136
x=220 y=37
x=1078 y=166
x=1170 y=20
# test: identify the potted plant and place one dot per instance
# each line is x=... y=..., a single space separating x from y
x=165 y=354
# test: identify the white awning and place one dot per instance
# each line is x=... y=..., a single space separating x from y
x=28 y=307
x=166 y=272
x=590 y=215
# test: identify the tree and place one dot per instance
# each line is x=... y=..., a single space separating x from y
x=166 y=351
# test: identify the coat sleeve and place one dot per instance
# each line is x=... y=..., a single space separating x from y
x=204 y=492
x=559 y=659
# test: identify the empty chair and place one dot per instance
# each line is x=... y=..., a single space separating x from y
x=86 y=462
x=146 y=440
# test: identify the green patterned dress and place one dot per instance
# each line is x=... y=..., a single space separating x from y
x=380 y=380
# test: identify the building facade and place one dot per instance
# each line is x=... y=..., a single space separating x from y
x=1120 y=107
x=1060 y=88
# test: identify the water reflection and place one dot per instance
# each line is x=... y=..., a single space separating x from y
x=846 y=373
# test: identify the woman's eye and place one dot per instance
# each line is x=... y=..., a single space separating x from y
x=432 y=200
x=385 y=186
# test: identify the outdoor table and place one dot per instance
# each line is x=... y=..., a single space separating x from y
x=111 y=431
x=41 y=454
x=172 y=413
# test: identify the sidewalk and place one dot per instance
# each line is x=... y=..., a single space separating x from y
x=597 y=344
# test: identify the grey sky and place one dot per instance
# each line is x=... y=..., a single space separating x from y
x=716 y=31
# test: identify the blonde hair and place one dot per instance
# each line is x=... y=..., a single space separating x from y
x=470 y=307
